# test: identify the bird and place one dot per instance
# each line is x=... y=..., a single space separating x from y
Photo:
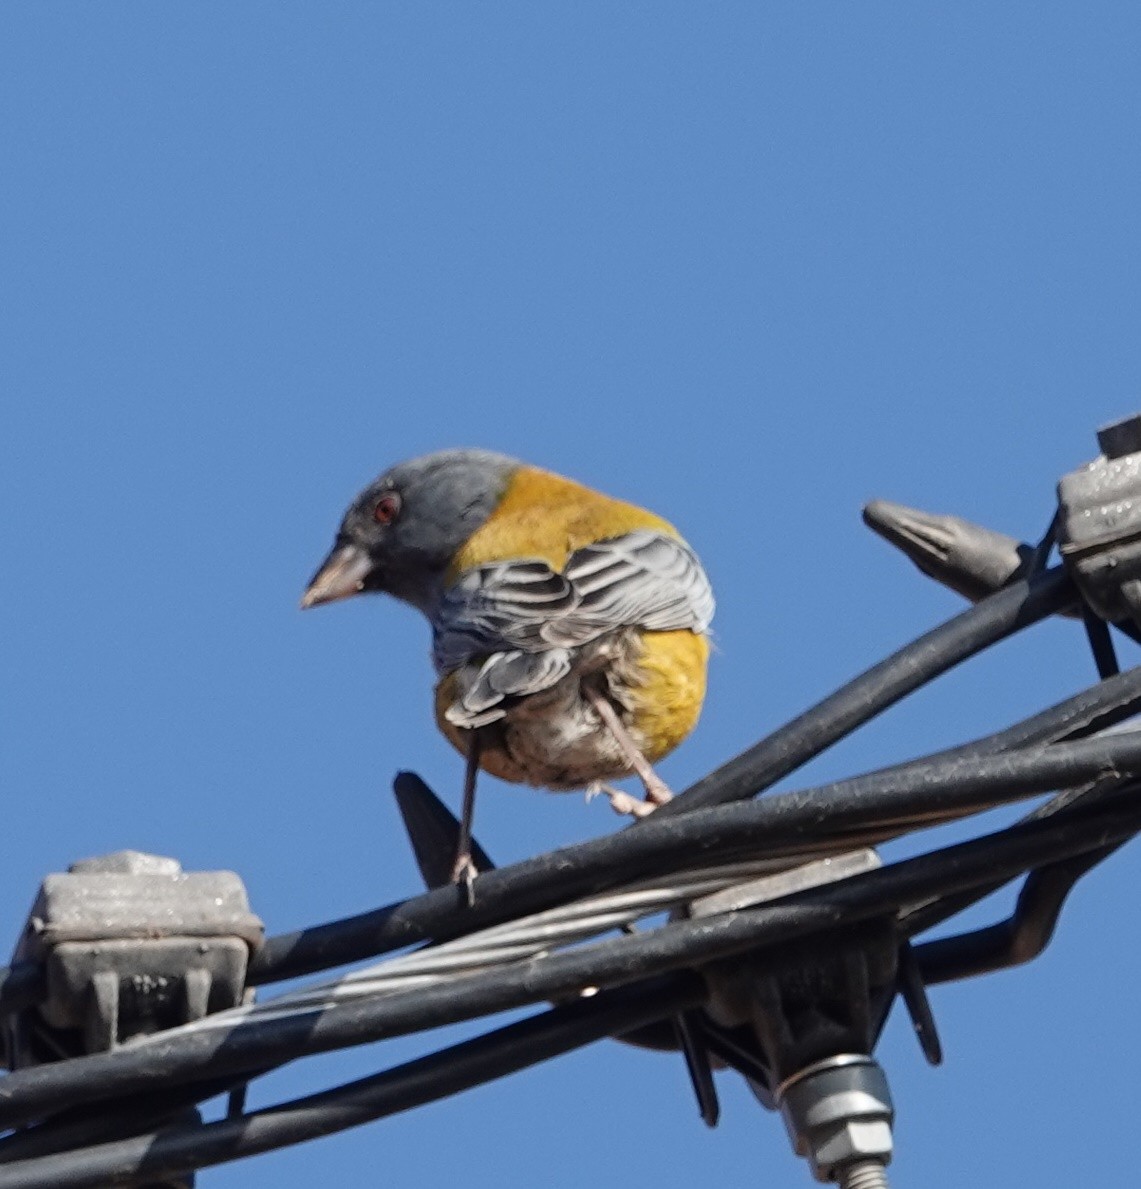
x=570 y=629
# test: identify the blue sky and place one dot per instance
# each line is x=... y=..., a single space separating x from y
x=750 y=265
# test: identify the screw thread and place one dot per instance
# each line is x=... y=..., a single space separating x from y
x=863 y=1174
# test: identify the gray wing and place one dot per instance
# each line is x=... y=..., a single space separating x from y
x=511 y=627
x=642 y=579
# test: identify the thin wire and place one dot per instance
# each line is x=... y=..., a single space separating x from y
x=514 y=941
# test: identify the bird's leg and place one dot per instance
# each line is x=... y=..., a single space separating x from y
x=463 y=870
x=657 y=793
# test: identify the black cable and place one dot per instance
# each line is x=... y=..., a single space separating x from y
x=1017 y=940
x=99 y=1123
x=258 y=1043
x=923 y=791
x=1027 y=932
x=1087 y=712
x=177 y=1150
x=990 y=620
x=542 y=882
x=923 y=916
x=553 y=878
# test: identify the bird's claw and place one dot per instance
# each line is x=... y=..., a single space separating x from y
x=626 y=805
x=463 y=875
x=657 y=791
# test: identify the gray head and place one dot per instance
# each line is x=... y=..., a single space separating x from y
x=401 y=533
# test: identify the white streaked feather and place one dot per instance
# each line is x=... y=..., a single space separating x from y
x=517 y=623
x=503 y=675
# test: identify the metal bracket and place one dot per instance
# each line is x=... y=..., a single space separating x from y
x=969 y=559
x=130 y=944
x=800 y=1028
x=1099 y=529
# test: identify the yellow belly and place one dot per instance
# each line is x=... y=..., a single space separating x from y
x=555 y=739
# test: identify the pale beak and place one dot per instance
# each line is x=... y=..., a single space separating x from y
x=342 y=575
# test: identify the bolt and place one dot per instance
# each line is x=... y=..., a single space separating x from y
x=863 y=1174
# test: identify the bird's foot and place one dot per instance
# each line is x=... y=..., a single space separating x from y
x=657 y=791
x=464 y=872
x=623 y=803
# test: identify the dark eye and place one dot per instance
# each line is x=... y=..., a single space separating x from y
x=387 y=508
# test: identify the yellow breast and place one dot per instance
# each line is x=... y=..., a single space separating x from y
x=665 y=699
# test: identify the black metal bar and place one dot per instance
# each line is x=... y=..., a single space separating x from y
x=1100 y=642
x=687 y=1027
x=434 y=831
x=1041 y=554
x=722 y=1043
x=913 y=992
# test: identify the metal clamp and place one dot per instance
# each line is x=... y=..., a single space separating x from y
x=1099 y=527
x=130 y=944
